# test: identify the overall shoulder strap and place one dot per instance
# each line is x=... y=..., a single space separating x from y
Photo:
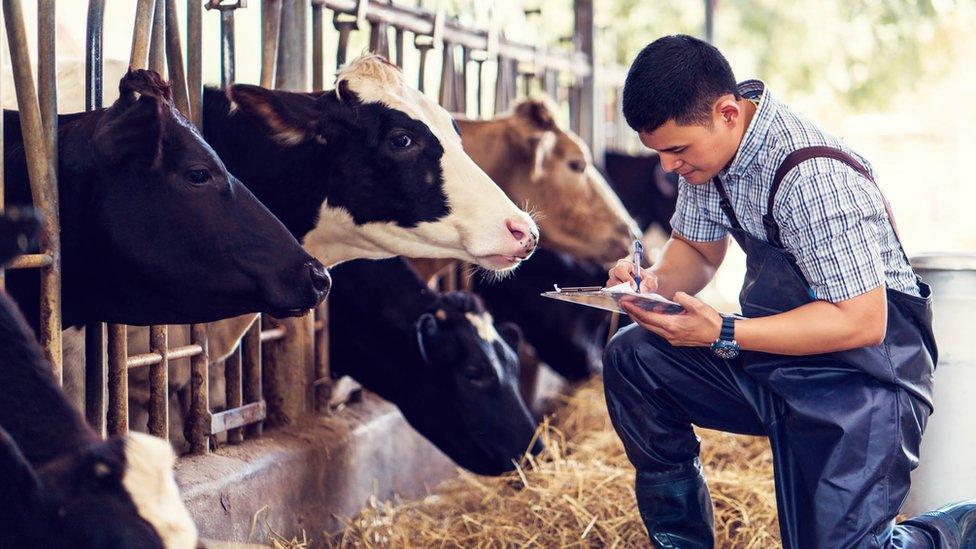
x=802 y=155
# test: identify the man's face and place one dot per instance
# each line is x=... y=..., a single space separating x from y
x=697 y=152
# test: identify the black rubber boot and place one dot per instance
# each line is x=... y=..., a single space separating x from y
x=676 y=508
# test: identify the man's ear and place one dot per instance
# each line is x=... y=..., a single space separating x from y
x=288 y=118
x=727 y=110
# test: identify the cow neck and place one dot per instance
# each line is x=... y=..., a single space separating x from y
x=378 y=303
x=278 y=176
x=33 y=410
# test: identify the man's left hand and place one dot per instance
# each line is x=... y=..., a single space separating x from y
x=699 y=326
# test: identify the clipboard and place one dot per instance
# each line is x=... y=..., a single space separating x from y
x=608 y=299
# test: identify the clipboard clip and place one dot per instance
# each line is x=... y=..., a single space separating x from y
x=576 y=289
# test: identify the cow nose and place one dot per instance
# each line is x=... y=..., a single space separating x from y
x=321 y=281
x=518 y=229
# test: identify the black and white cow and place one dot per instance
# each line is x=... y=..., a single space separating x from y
x=437 y=357
x=647 y=191
x=567 y=337
x=154 y=230
x=60 y=484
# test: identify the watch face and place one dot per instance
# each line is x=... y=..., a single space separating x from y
x=725 y=350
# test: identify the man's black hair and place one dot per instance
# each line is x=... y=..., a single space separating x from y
x=675 y=77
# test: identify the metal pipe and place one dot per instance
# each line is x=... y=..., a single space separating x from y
x=159 y=383
x=47 y=76
x=398 y=46
x=149 y=359
x=228 y=64
x=96 y=376
x=270 y=38
x=345 y=28
x=42 y=180
x=174 y=59
x=233 y=391
x=30 y=261
x=318 y=44
x=251 y=372
x=194 y=60
x=93 y=55
x=320 y=341
x=292 y=63
x=199 y=393
x=141 y=33
x=157 y=42
x=118 y=381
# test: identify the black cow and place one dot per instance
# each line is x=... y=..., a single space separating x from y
x=60 y=484
x=371 y=169
x=567 y=337
x=154 y=229
x=647 y=191
x=437 y=357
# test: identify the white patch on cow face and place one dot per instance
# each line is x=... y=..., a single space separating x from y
x=484 y=324
x=149 y=481
x=476 y=229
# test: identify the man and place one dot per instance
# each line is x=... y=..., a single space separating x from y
x=834 y=360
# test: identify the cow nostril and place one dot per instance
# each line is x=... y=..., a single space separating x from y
x=517 y=229
x=321 y=280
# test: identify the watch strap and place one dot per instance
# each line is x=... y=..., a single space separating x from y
x=728 y=329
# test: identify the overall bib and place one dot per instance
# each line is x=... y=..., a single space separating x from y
x=844 y=427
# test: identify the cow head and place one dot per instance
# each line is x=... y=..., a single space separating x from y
x=172 y=236
x=468 y=401
x=395 y=176
x=118 y=493
x=550 y=169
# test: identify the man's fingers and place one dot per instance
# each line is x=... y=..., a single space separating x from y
x=690 y=303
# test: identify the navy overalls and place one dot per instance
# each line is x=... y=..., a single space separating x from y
x=844 y=427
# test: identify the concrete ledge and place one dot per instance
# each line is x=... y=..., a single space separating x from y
x=310 y=474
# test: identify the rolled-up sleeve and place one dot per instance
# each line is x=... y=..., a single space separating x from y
x=689 y=219
x=833 y=224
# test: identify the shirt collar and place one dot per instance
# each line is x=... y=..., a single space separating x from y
x=755 y=136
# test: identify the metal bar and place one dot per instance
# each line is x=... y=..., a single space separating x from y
x=447 y=93
x=422 y=22
x=194 y=60
x=174 y=59
x=423 y=49
x=591 y=118
x=96 y=376
x=270 y=31
x=159 y=383
x=228 y=63
x=289 y=373
x=480 y=102
x=292 y=63
x=345 y=28
x=140 y=34
x=318 y=44
x=157 y=41
x=320 y=341
x=274 y=334
x=234 y=419
x=398 y=45
x=118 y=381
x=176 y=353
x=30 y=261
x=93 y=55
x=200 y=417
x=379 y=42
x=233 y=392
x=43 y=183
x=47 y=76
x=251 y=372
x=710 y=21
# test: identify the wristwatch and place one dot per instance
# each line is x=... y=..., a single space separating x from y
x=725 y=347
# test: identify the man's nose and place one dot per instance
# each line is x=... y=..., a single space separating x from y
x=670 y=163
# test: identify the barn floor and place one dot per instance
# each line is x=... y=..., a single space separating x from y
x=578 y=494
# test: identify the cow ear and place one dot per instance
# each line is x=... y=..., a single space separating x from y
x=511 y=334
x=131 y=130
x=427 y=331
x=538 y=113
x=288 y=118
x=20 y=489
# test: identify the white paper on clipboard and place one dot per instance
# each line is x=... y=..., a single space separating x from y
x=608 y=299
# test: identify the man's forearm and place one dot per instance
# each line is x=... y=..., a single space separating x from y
x=817 y=327
x=682 y=268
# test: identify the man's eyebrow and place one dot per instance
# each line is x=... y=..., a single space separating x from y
x=673 y=148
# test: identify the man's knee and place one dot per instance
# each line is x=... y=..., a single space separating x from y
x=632 y=350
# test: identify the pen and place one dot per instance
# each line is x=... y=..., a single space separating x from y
x=638 y=252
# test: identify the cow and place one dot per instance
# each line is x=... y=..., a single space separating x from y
x=61 y=485
x=438 y=357
x=646 y=190
x=154 y=230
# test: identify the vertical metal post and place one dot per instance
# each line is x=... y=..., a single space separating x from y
x=228 y=63
x=194 y=60
x=323 y=379
x=289 y=372
x=159 y=384
x=591 y=117
x=293 y=49
x=43 y=183
x=318 y=43
x=141 y=33
x=118 y=381
x=157 y=42
x=200 y=416
x=379 y=41
x=233 y=392
x=710 y=21
x=93 y=55
x=345 y=28
x=174 y=59
x=251 y=372
x=398 y=42
x=270 y=30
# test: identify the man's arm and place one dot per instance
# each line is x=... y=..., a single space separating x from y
x=687 y=266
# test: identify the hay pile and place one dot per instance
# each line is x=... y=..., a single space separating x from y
x=578 y=493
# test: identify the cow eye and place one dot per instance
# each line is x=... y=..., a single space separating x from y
x=400 y=141
x=198 y=177
x=577 y=166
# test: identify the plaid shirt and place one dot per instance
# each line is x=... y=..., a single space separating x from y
x=831 y=219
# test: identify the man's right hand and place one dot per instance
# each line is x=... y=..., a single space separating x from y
x=623 y=271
